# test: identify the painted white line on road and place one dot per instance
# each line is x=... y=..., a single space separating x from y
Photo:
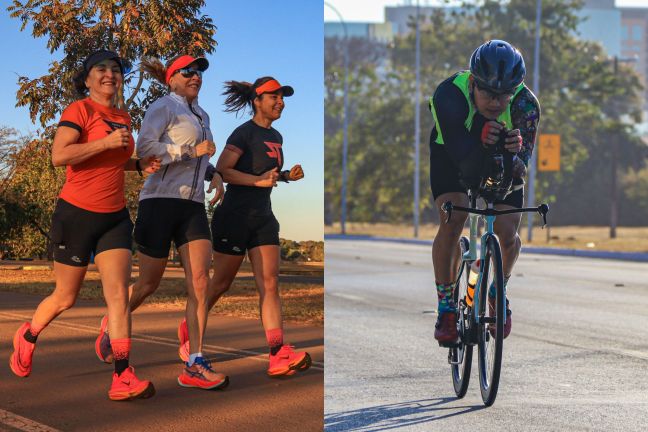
x=24 y=424
x=235 y=352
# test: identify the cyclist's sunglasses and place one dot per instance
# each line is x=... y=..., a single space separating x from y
x=188 y=73
x=491 y=94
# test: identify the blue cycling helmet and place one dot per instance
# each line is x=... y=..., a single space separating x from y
x=497 y=66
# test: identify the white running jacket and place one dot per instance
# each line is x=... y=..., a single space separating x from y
x=170 y=130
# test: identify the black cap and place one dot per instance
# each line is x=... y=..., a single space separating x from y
x=101 y=55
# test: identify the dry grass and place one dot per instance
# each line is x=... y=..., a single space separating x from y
x=302 y=291
x=629 y=239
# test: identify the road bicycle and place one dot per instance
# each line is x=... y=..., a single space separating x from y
x=481 y=321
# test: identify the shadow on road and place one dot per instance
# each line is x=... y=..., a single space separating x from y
x=392 y=416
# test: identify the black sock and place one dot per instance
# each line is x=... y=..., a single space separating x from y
x=275 y=349
x=29 y=337
x=121 y=365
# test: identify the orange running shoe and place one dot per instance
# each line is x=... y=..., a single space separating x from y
x=183 y=337
x=183 y=352
x=102 y=344
x=127 y=387
x=287 y=361
x=201 y=375
x=183 y=332
x=20 y=361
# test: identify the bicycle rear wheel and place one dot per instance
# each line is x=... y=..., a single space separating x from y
x=460 y=357
x=492 y=313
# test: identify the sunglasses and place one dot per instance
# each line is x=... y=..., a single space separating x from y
x=188 y=73
x=492 y=95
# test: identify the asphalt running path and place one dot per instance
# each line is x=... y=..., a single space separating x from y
x=577 y=358
x=68 y=387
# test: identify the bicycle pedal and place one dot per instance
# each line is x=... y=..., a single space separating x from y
x=456 y=344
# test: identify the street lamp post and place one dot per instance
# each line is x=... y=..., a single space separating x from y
x=614 y=201
x=417 y=126
x=613 y=182
x=536 y=88
x=345 y=128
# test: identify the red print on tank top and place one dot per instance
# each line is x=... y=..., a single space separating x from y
x=274 y=151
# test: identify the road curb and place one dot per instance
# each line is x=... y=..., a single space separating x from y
x=623 y=256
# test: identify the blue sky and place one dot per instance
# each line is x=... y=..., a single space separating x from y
x=282 y=38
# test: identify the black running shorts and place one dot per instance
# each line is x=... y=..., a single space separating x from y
x=444 y=177
x=76 y=233
x=233 y=233
x=162 y=220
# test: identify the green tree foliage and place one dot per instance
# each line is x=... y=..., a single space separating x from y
x=136 y=29
x=582 y=99
x=29 y=198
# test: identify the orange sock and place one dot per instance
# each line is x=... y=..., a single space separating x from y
x=275 y=339
x=121 y=352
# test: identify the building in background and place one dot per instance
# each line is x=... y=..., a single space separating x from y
x=634 y=44
x=380 y=32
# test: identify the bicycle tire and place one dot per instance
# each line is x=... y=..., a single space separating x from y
x=461 y=371
x=490 y=339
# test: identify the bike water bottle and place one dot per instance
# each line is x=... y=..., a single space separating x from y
x=472 y=281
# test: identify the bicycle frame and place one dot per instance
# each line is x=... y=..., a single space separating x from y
x=489 y=214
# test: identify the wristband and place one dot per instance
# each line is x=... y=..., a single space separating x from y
x=209 y=173
x=138 y=167
x=283 y=176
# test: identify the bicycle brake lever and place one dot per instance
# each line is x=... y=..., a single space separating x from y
x=543 y=209
x=447 y=208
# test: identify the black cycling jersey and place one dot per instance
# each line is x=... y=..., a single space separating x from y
x=462 y=144
x=452 y=110
x=260 y=151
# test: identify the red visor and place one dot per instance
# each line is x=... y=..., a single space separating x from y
x=184 y=61
x=272 y=86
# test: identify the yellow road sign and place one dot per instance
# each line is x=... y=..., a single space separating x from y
x=549 y=152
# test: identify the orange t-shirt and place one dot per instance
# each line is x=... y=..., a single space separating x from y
x=97 y=183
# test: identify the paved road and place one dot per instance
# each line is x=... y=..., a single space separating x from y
x=577 y=358
x=68 y=387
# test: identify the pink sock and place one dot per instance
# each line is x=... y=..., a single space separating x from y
x=274 y=337
x=121 y=348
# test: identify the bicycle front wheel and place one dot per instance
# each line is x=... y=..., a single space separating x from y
x=492 y=315
x=460 y=357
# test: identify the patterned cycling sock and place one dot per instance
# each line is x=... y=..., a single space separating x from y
x=31 y=334
x=491 y=289
x=121 y=352
x=275 y=340
x=446 y=302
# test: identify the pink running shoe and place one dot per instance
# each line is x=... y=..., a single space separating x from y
x=20 y=360
x=183 y=352
x=183 y=337
x=127 y=387
x=201 y=375
x=287 y=361
x=183 y=332
x=103 y=349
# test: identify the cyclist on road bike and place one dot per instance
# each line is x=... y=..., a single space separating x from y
x=471 y=109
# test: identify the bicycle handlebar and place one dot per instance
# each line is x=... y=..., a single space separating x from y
x=542 y=209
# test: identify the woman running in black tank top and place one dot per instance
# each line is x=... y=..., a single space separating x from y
x=251 y=165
